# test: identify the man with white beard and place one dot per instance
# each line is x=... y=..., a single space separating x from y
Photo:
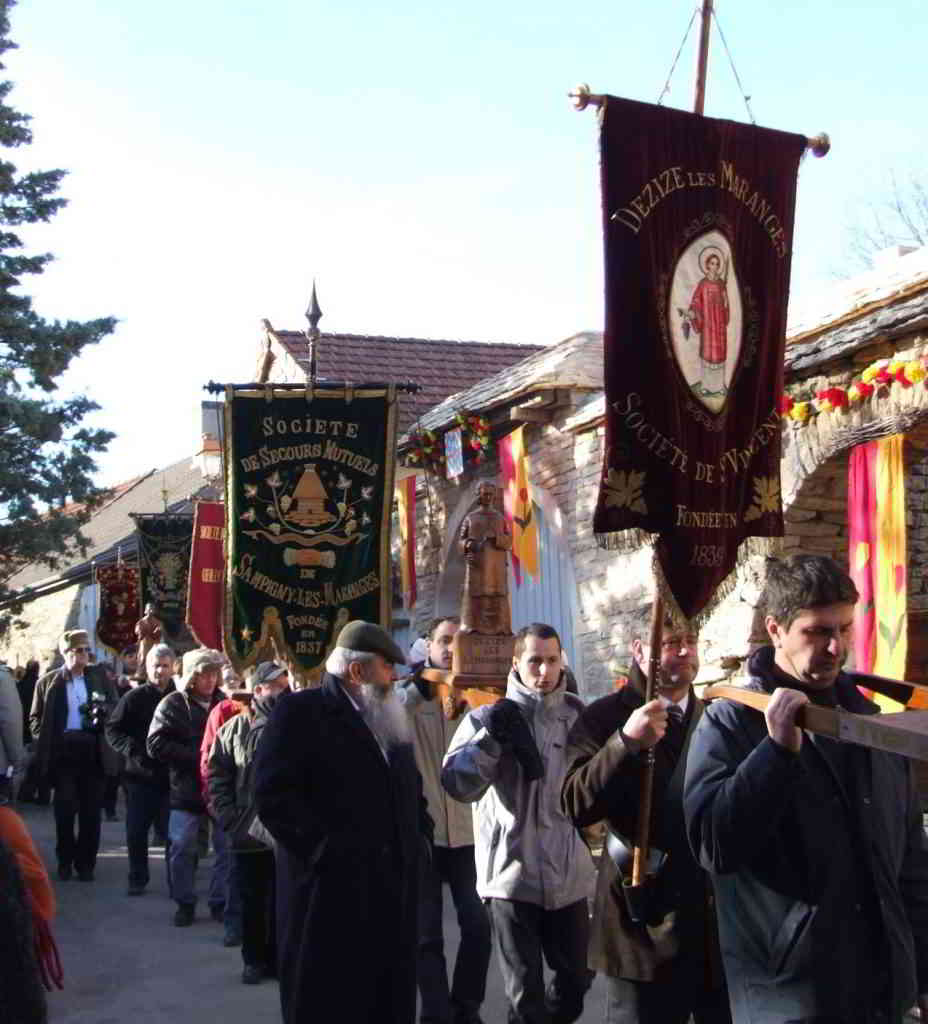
x=336 y=785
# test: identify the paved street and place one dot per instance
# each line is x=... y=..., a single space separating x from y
x=125 y=963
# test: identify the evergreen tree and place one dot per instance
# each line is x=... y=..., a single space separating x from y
x=46 y=454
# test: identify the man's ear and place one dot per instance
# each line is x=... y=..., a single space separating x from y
x=356 y=672
x=638 y=653
x=773 y=630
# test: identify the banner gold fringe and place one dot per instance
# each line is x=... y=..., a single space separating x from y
x=627 y=542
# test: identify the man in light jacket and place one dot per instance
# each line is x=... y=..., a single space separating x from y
x=533 y=869
x=452 y=858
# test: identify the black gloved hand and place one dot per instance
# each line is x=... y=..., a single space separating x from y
x=507 y=725
x=423 y=686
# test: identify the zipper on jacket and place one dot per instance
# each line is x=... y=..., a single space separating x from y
x=491 y=856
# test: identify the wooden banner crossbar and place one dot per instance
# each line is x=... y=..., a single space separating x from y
x=901 y=732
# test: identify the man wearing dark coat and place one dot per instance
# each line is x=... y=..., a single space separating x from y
x=69 y=710
x=147 y=786
x=337 y=787
x=816 y=847
x=664 y=971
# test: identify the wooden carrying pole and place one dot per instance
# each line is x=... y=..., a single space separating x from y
x=899 y=732
x=643 y=838
x=702 y=63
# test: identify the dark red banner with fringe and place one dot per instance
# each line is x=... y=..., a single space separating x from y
x=698 y=220
x=207 y=574
x=119 y=605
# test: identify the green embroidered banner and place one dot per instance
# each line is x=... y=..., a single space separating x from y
x=309 y=491
x=164 y=541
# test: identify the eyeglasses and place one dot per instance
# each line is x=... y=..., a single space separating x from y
x=80 y=650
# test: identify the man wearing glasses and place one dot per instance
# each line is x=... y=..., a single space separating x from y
x=69 y=710
x=661 y=969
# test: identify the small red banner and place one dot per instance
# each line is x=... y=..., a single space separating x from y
x=119 y=605
x=207 y=566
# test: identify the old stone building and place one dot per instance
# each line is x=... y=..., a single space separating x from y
x=588 y=593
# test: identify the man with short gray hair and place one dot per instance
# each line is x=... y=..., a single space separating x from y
x=336 y=785
x=146 y=779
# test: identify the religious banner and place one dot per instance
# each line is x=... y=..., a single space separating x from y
x=207 y=571
x=164 y=541
x=119 y=605
x=517 y=503
x=698 y=218
x=877 y=557
x=406 y=507
x=309 y=490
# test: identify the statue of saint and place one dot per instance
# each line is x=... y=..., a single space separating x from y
x=485 y=539
x=148 y=632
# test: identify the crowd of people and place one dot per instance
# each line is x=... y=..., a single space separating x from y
x=788 y=878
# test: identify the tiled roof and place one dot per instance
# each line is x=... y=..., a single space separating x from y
x=438 y=366
x=575 y=363
x=111 y=527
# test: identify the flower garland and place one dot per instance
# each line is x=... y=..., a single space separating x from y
x=427 y=448
x=475 y=434
x=882 y=374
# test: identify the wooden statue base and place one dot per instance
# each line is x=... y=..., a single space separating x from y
x=480 y=666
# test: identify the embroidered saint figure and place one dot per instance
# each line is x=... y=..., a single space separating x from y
x=708 y=316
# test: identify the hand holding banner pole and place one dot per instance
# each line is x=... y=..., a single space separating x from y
x=643 y=838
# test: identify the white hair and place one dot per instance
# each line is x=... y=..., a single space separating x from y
x=385 y=715
x=341 y=657
x=156 y=652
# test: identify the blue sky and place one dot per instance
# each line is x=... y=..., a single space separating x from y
x=421 y=161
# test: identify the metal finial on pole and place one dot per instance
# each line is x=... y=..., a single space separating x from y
x=313 y=315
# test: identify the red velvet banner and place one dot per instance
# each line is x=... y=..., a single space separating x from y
x=698 y=217
x=207 y=568
x=119 y=605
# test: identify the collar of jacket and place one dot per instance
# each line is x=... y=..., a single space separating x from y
x=761 y=677
x=531 y=701
x=261 y=707
x=334 y=689
x=217 y=698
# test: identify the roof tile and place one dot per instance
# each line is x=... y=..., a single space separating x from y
x=440 y=367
